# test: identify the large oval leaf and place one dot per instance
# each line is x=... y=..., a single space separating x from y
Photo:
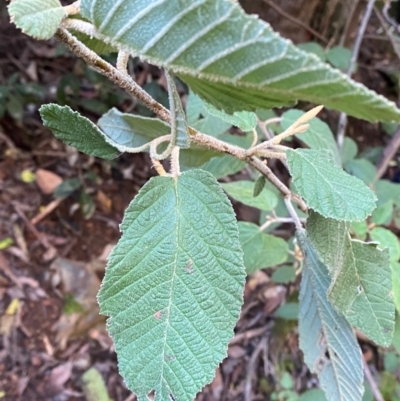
x=326 y=188
x=329 y=345
x=173 y=286
x=233 y=60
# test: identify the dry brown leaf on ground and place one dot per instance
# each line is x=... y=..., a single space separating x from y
x=47 y=181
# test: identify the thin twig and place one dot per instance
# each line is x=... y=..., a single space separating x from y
x=293 y=214
x=122 y=62
x=354 y=56
x=175 y=169
x=388 y=154
x=296 y=21
x=128 y=84
x=372 y=383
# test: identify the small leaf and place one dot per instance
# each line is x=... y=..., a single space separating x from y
x=127 y=131
x=194 y=108
x=260 y=250
x=6 y=243
x=362 y=169
x=313 y=395
x=361 y=277
x=387 y=190
x=383 y=214
x=259 y=185
x=27 y=176
x=396 y=286
x=387 y=239
x=373 y=310
x=313 y=47
x=173 y=286
x=232 y=60
x=86 y=204
x=326 y=188
x=242 y=191
x=284 y=275
x=318 y=136
x=349 y=150
x=340 y=57
x=244 y=120
x=67 y=187
x=77 y=131
x=37 y=18
x=288 y=311
x=15 y=107
x=94 y=387
x=326 y=339
x=131 y=131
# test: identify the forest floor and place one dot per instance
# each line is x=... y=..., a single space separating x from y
x=50 y=271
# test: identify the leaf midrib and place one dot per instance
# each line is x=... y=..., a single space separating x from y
x=168 y=313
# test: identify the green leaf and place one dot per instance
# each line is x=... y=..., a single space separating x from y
x=339 y=57
x=131 y=131
x=396 y=337
x=37 y=18
x=244 y=120
x=242 y=191
x=284 y=275
x=373 y=310
x=326 y=339
x=173 y=286
x=383 y=214
x=260 y=250
x=349 y=150
x=94 y=387
x=86 y=204
x=67 y=187
x=326 y=188
x=259 y=185
x=318 y=136
x=232 y=60
x=387 y=239
x=362 y=169
x=288 y=311
x=194 y=108
x=387 y=190
x=127 y=131
x=313 y=47
x=15 y=107
x=313 y=395
x=396 y=285
x=77 y=131
x=361 y=277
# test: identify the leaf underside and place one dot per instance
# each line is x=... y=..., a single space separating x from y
x=361 y=278
x=233 y=60
x=173 y=286
x=326 y=339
